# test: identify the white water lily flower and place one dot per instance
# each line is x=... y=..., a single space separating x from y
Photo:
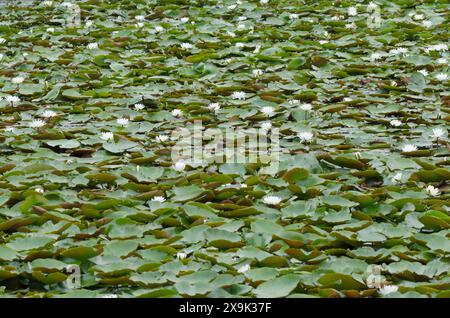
x=352 y=11
x=47 y=3
x=92 y=46
x=271 y=200
x=232 y=34
x=441 y=60
x=395 y=123
x=186 y=46
x=89 y=23
x=48 y=114
x=123 y=121
x=350 y=26
x=238 y=95
x=427 y=24
x=244 y=268
x=139 y=106
x=397 y=177
x=441 y=76
x=294 y=101
x=257 y=49
x=18 y=80
x=240 y=44
x=39 y=190
x=50 y=30
x=139 y=24
x=409 y=148
x=159 y=29
x=376 y=56
x=306 y=136
x=12 y=99
x=387 y=289
x=266 y=126
x=347 y=99
x=418 y=17
x=9 y=129
x=257 y=73
x=268 y=111
x=438 y=133
x=214 y=107
x=139 y=17
x=162 y=138
x=37 y=123
x=306 y=107
x=159 y=199
x=433 y=191
x=184 y=19
x=2 y=40
x=293 y=16
x=423 y=72
x=437 y=47
x=177 y=113
x=181 y=255
x=372 y=5
x=107 y=135
x=179 y=166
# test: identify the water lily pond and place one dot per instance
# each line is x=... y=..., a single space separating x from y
x=352 y=95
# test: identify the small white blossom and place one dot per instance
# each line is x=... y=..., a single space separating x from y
x=18 y=80
x=214 y=107
x=139 y=106
x=376 y=56
x=179 y=166
x=266 y=126
x=306 y=107
x=50 y=30
x=160 y=199
x=397 y=177
x=37 y=123
x=238 y=95
x=107 y=136
x=162 y=138
x=306 y=136
x=424 y=72
x=12 y=99
x=257 y=49
x=159 y=29
x=184 y=19
x=139 y=17
x=427 y=24
x=438 y=133
x=395 y=123
x=123 y=121
x=48 y=114
x=409 y=148
x=350 y=26
x=181 y=255
x=347 y=99
x=293 y=16
x=433 y=191
x=92 y=46
x=387 y=289
x=2 y=40
x=244 y=268
x=441 y=76
x=418 y=17
x=39 y=190
x=271 y=200
x=186 y=46
x=177 y=113
x=372 y=5
x=47 y=3
x=232 y=34
x=268 y=111
x=294 y=101
x=257 y=72
x=352 y=11
x=264 y=1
